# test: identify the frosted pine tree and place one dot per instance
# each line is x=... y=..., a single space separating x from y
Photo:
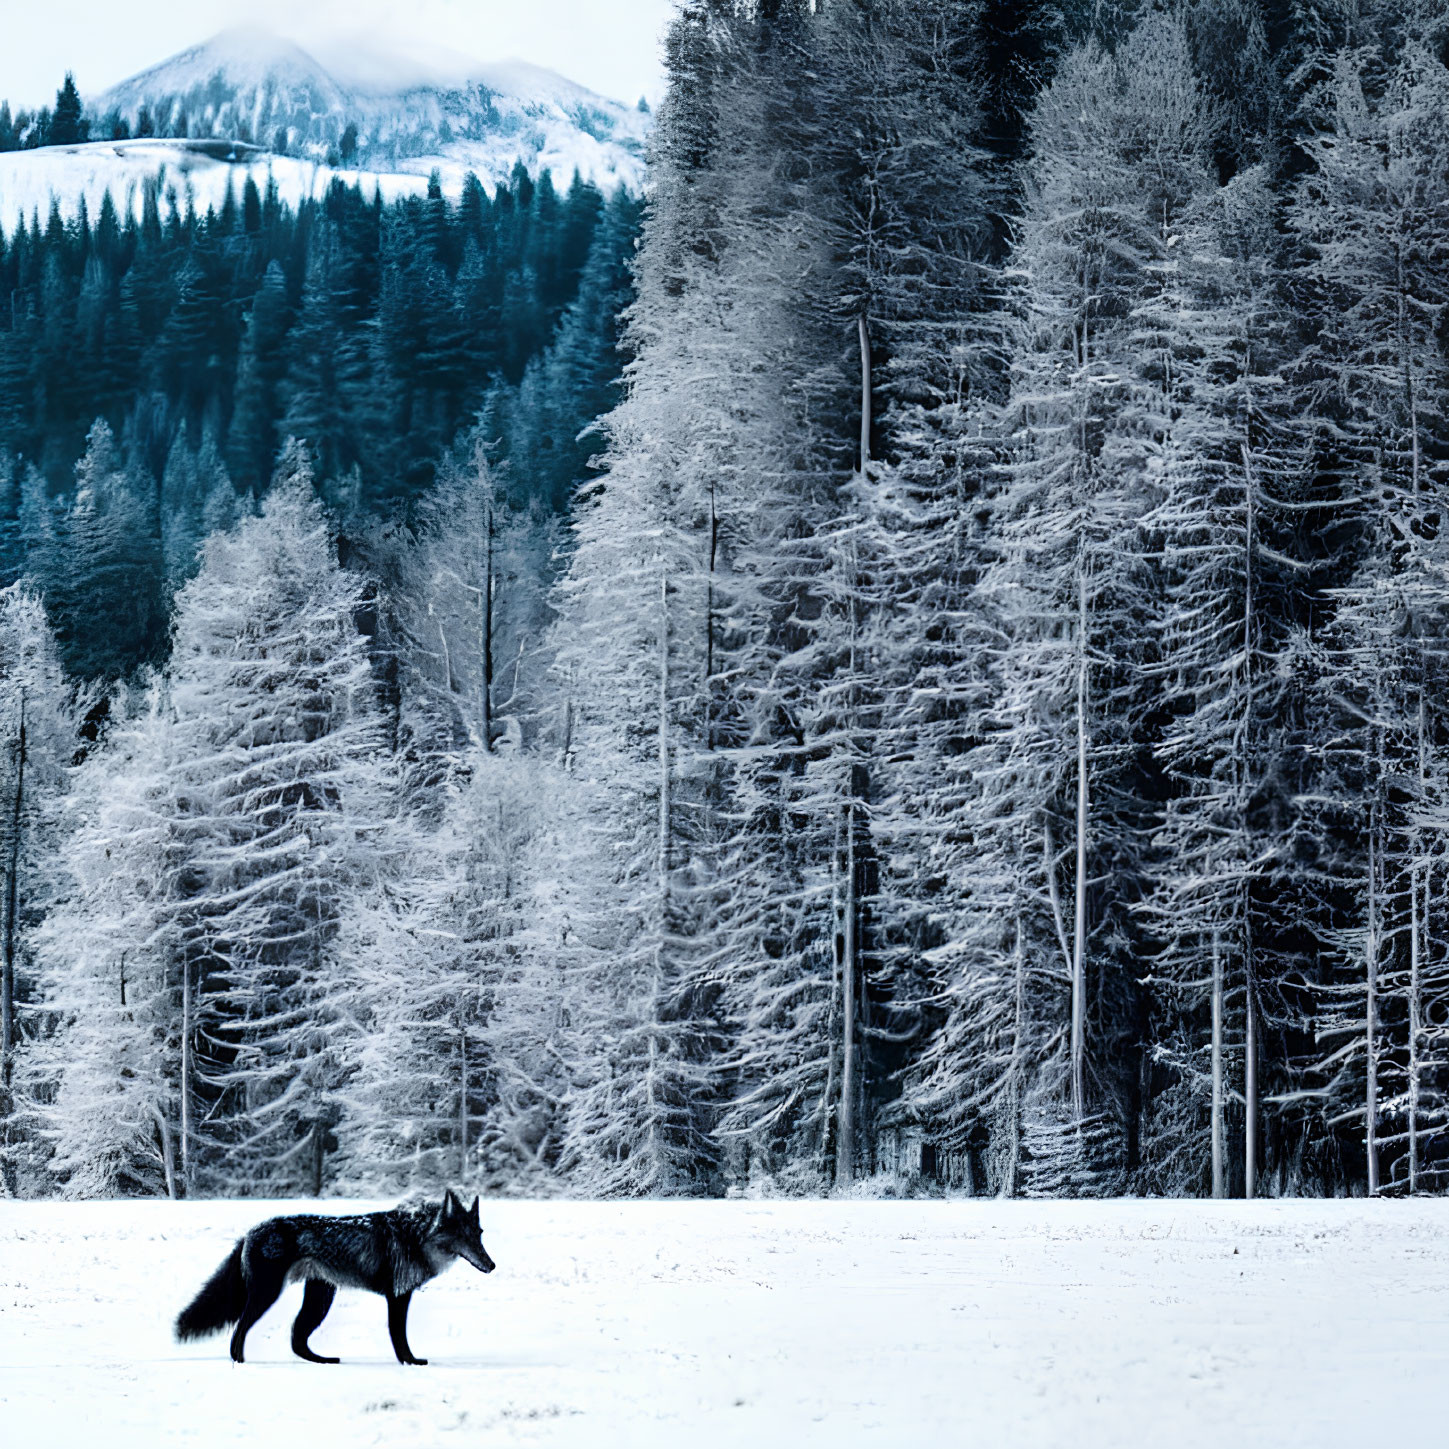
x=1371 y=215
x=37 y=739
x=283 y=796
x=413 y=998
x=450 y=1075
x=462 y=594
x=778 y=751
x=742 y=296
x=1214 y=339
x=523 y=812
x=1069 y=593
x=680 y=600
x=110 y=1084
x=637 y=1117
x=919 y=281
x=105 y=562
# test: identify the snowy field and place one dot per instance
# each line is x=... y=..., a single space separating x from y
x=763 y=1323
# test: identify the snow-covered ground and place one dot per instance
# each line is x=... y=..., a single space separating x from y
x=763 y=1323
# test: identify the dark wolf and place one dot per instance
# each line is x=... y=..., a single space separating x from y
x=393 y=1253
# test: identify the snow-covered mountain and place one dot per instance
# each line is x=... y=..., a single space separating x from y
x=386 y=118
x=408 y=109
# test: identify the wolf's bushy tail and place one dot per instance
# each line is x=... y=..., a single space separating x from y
x=218 y=1305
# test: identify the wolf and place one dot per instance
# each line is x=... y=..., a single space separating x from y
x=393 y=1253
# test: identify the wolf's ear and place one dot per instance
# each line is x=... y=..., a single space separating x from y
x=450 y=1203
x=473 y=1211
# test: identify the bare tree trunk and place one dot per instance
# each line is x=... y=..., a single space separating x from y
x=186 y=1075
x=663 y=863
x=462 y=1103
x=849 y=1074
x=1370 y=1018
x=1219 y=1176
x=1250 y=1044
x=829 y=1107
x=709 y=621
x=168 y=1156
x=1079 y=940
x=1013 y=1164
x=1415 y=1027
x=1416 y=1004
x=847 y=1156
x=864 y=395
x=319 y=1148
x=1250 y=1093
x=662 y=848
x=485 y=634
x=1415 y=1022
x=12 y=909
x=566 y=751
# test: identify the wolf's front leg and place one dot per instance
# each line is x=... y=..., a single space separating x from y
x=397 y=1326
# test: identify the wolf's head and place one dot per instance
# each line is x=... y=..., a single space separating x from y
x=456 y=1230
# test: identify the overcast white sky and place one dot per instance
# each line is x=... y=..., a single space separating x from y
x=611 y=46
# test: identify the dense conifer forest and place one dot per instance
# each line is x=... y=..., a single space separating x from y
x=376 y=334
x=966 y=713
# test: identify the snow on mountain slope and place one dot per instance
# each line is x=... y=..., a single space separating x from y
x=386 y=118
x=406 y=104
x=181 y=170
x=242 y=59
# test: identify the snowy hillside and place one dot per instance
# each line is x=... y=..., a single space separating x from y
x=411 y=109
x=184 y=169
x=1194 y=1325
x=385 y=120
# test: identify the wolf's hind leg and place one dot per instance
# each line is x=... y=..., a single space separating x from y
x=263 y=1289
x=316 y=1300
x=397 y=1327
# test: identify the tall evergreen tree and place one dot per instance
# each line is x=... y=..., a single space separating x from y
x=68 y=124
x=282 y=793
x=37 y=737
x=1371 y=215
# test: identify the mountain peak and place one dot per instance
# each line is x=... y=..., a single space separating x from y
x=248 y=39
x=393 y=107
x=241 y=55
